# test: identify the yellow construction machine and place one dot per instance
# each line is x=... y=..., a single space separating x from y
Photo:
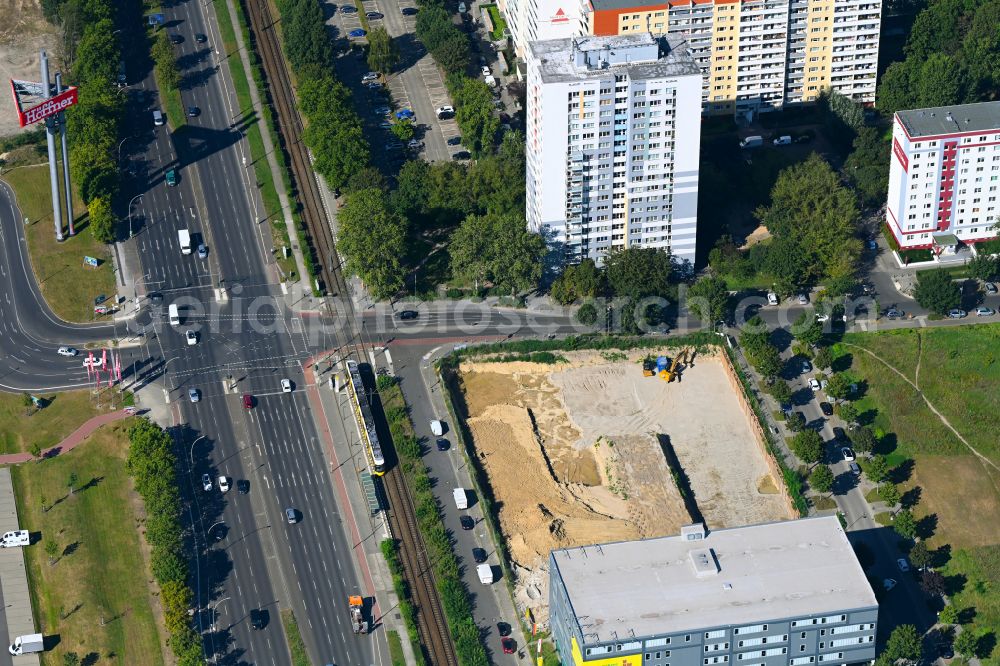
x=675 y=367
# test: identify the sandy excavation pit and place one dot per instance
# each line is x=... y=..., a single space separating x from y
x=574 y=453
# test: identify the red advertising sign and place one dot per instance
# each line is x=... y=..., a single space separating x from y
x=897 y=150
x=47 y=108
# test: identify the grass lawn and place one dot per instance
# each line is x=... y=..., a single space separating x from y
x=295 y=644
x=49 y=426
x=68 y=286
x=99 y=572
x=395 y=648
x=980 y=569
x=499 y=24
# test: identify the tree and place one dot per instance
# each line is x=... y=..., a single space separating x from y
x=895 y=91
x=941 y=81
x=71 y=482
x=453 y=53
x=847 y=411
x=638 y=272
x=796 y=422
x=497 y=249
x=949 y=614
x=889 y=494
x=382 y=52
x=936 y=291
x=967 y=643
x=921 y=557
x=708 y=298
x=877 y=469
x=983 y=267
x=475 y=117
x=781 y=391
x=806 y=329
x=807 y=445
x=71 y=659
x=867 y=167
x=822 y=359
x=35 y=449
x=372 y=239
x=904 y=643
x=51 y=549
x=932 y=583
x=578 y=281
x=102 y=219
x=765 y=360
x=821 y=479
x=838 y=386
x=864 y=440
x=905 y=524
x=402 y=130
x=167 y=74
x=587 y=314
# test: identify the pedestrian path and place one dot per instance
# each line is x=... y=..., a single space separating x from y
x=16 y=609
x=71 y=442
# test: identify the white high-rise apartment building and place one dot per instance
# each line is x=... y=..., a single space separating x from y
x=612 y=145
x=755 y=55
x=944 y=176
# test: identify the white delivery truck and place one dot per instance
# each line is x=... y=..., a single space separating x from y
x=461 y=499
x=752 y=142
x=175 y=315
x=16 y=538
x=184 y=236
x=491 y=81
x=27 y=644
x=485 y=572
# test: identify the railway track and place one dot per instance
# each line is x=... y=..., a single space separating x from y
x=432 y=625
x=282 y=97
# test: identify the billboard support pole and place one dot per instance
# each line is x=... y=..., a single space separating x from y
x=67 y=192
x=50 y=136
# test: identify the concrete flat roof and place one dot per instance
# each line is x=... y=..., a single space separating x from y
x=955 y=119
x=763 y=572
x=556 y=56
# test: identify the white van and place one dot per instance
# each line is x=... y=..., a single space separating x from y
x=175 y=315
x=772 y=298
x=157 y=117
x=461 y=499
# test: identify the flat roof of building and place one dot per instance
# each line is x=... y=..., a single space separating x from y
x=558 y=64
x=954 y=119
x=734 y=576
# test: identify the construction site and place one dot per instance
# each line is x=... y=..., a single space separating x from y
x=610 y=446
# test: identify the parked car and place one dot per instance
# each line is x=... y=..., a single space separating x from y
x=478 y=555
x=202 y=251
x=888 y=584
x=508 y=645
x=467 y=522
x=990 y=288
x=814 y=384
x=893 y=313
x=286 y=386
x=772 y=298
x=437 y=428
x=454 y=141
x=382 y=111
x=348 y=9
x=822 y=317
x=839 y=435
x=806 y=366
x=247 y=401
x=176 y=39
x=405 y=114
x=956 y=314
x=370 y=76
x=373 y=16
x=462 y=155
x=485 y=69
x=848 y=453
x=357 y=32
x=206 y=482
x=224 y=484
x=803 y=299
x=291 y=516
x=983 y=311
x=191 y=337
x=826 y=408
x=945 y=651
x=503 y=628
x=855 y=468
x=785 y=140
x=243 y=487
x=444 y=112
x=93 y=361
x=258 y=619
x=408 y=11
x=903 y=565
x=443 y=444
x=415 y=144
x=194 y=395
x=171 y=177
x=68 y=351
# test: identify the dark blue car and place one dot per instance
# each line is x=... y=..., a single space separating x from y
x=405 y=114
x=357 y=32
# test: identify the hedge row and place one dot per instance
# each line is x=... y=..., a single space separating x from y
x=430 y=520
x=390 y=551
x=152 y=466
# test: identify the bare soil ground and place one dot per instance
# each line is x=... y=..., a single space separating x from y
x=574 y=455
x=23 y=32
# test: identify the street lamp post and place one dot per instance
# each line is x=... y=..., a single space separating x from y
x=138 y=196
x=212 y=607
x=208 y=533
x=191 y=457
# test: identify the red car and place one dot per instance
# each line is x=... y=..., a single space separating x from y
x=247 y=401
x=508 y=645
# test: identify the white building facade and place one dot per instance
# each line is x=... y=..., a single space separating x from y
x=613 y=138
x=944 y=176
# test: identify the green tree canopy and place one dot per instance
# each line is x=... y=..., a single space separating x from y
x=497 y=249
x=102 y=219
x=638 y=272
x=475 y=117
x=807 y=445
x=382 y=52
x=904 y=643
x=936 y=291
x=821 y=479
x=905 y=524
x=577 y=282
x=372 y=239
x=864 y=440
x=867 y=167
x=877 y=469
x=967 y=643
x=806 y=329
x=708 y=298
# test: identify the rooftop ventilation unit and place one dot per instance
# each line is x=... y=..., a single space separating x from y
x=695 y=532
x=703 y=560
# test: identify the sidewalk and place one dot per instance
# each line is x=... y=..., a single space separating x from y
x=16 y=608
x=366 y=531
x=75 y=438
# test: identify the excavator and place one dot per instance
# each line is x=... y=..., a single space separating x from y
x=668 y=375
